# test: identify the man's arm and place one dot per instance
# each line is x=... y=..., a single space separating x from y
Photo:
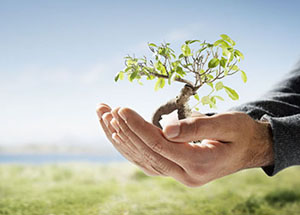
x=281 y=108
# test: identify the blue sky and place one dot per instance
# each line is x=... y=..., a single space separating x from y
x=58 y=58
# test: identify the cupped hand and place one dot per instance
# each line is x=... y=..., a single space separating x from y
x=230 y=142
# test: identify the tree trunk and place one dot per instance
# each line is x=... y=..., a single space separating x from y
x=180 y=103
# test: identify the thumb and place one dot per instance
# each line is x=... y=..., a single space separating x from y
x=194 y=129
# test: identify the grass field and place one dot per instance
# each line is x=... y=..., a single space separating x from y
x=121 y=189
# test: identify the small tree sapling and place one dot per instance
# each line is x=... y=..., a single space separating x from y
x=195 y=68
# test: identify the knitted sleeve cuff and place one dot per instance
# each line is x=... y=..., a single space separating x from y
x=286 y=142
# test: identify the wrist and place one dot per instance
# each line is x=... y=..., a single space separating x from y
x=261 y=146
x=265 y=144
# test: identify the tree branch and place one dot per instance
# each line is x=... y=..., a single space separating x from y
x=155 y=74
x=184 y=81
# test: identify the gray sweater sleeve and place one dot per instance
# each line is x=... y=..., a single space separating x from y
x=281 y=107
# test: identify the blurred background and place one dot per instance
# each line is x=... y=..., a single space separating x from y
x=58 y=60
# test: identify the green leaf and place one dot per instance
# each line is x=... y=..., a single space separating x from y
x=209 y=76
x=244 y=76
x=133 y=75
x=150 y=77
x=226 y=52
x=211 y=85
x=140 y=83
x=209 y=45
x=211 y=105
x=186 y=51
x=235 y=68
x=196 y=96
x=162 y=83
x=218 y=42
x=205 y=100
x=187 y=42
x=127 y=69
x=223 y=62
x=180 y=56
x=238 y=53
x=159 y=84
x=202 y=71
x=121 y=75
x=231 y=57
x=228 y=39
x=225 y=72
x=219 y=85
x=131 y=62
x=212 y=102
x=219 y=97
x=213 y=63
x=222 y=43
x=193 y=41
x=175 y=63
x=187 y=65
x=197 y=109
x=160 y=67
x=117 y=77
x=170 y=77
x=180 y=71
x=152 y=44
x=231 y=93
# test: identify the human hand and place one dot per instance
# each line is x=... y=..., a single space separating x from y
x=245 y=139
x=133 y=148
x=234 y=145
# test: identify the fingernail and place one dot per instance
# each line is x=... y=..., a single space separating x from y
x=172 y=131
x=122 y=116
x=99 y=110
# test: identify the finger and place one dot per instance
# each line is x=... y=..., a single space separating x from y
x=121 y=147
x=120 y=131
x=124 y=150
x=199 y=128
x=101 y=109
x=110 y=126
x=101 y=112
x=104 y=115
x=157 y=162
x=145 y=133
x=124 y=137
x=124 y=145
x=107 y=117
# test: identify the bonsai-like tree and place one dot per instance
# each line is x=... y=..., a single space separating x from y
x=195 y=68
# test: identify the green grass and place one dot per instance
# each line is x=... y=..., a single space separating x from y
x=121 y=189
